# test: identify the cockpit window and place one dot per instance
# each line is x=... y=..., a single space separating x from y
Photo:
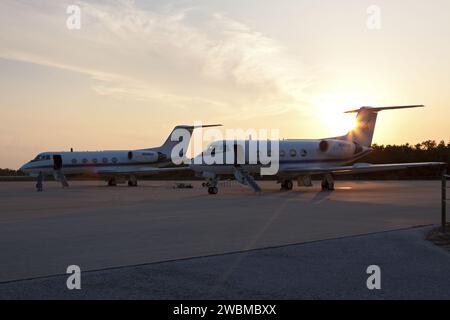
x=41 y=157
x=215 y=148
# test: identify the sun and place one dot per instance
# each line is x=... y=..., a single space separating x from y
x=331 y=111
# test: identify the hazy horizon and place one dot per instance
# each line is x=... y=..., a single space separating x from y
x=136 y=69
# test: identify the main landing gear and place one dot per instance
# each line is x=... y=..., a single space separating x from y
x=112 y=182
x=287 y=185
x=213 y=190
x=132 y=182
x=328 y=183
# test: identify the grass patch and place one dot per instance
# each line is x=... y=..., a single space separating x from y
x=440 y=238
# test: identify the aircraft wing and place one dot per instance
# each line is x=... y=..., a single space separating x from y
x=359 y=168
x=135 y=170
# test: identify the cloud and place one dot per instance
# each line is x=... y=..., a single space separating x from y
x=170 y=56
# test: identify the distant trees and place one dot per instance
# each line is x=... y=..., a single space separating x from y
x=10 y=173
x=427 y=151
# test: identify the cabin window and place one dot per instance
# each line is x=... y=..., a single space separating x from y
x=114 y=160
x=74 y=161
x=282 y=153
x=94 y=160
x=303 y=153
x=85 y=161
x=293 y=152
x=105 y=160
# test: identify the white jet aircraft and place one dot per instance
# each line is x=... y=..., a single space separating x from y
x=114 y=166
x=301 y=159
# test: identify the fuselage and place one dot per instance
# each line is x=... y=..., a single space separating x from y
x=90 y=162
x=292 y=153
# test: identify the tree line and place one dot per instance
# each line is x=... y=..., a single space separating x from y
x=427 y=151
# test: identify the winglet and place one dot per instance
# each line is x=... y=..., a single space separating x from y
x=384 y=108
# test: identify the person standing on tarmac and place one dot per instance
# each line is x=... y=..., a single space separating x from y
x=39 y=184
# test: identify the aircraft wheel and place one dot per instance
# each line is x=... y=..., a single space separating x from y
x=112 y=183
x=289 y=185
x=327 y=186
x=213 y=190
x=132 y=183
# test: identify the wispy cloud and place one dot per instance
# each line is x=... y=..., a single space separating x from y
x=166 y=56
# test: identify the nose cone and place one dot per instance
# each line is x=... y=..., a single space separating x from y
x=25 y=168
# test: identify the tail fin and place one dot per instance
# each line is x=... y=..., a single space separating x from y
x=365 y=124
x=167 y=147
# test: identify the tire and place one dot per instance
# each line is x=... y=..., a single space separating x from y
x=289 y=185
x=132 y=184
x=213 y=190
x=327 y=186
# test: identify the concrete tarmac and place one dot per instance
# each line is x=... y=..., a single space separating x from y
x=98 y=227
x=410 y=268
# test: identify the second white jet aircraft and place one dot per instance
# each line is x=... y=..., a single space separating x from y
x=301 y=159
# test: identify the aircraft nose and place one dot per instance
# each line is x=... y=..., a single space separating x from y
x=24 y=168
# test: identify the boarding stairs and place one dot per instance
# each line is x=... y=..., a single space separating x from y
x=60 y=177
x=244 y=178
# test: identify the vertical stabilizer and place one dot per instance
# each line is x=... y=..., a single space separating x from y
x=167 y=147
x=366 y=119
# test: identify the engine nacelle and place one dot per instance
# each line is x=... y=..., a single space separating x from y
x=337 y=148
x=144 y=156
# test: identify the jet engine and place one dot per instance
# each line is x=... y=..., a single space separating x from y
x=337 y=148
x=144 y=156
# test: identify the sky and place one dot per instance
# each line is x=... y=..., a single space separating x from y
x=136 y=69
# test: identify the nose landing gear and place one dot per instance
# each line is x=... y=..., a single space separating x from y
x=213 y=190
x=211 y=183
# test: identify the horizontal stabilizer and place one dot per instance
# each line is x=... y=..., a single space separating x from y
x=373 y=109
x=199 y=126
